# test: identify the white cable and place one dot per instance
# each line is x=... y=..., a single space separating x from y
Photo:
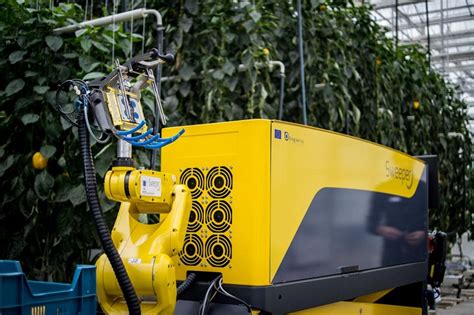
x=113 y=30
x=85 y=10
x=131 y=34
x=143 y=30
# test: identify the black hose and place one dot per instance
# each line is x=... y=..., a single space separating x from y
x=186 y=284
x=90 y=182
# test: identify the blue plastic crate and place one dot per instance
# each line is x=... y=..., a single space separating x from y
x=21 y=296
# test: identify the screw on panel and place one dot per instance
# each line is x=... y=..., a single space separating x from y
x=230 y=266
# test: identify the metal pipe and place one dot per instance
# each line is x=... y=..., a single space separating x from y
x=110 y=19
x=121 y=17
x=281 y=66
x=301 y=53
x=157 y=125
x=124 y=149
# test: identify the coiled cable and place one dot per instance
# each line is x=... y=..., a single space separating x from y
x=186 y=284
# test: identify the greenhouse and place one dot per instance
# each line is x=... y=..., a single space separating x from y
x=237 y=157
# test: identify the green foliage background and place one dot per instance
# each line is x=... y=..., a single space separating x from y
x=357 y=81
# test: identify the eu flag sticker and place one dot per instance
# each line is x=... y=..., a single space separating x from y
x=277 y=133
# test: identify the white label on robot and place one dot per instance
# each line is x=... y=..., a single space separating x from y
x=151 y=186
x=134 y=261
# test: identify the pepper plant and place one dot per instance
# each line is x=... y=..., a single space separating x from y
x=358 y=82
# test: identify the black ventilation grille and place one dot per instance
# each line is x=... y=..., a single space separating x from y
x=219 y=182
x=196 y=217
x=192 y=252
x=208 y=239
x=218 y=216
x=218 y=250
x=194 y=179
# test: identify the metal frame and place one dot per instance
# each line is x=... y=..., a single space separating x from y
x=451 y=35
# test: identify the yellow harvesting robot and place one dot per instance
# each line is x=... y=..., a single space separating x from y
x=251 y=217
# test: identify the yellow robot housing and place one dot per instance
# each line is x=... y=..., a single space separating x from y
x=294 y=217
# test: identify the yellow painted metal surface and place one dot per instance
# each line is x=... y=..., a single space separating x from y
x=272 y=175
x=306 y=160
x=355 y=308
x=243 y=148
x=149 y=190
x=371 y=298
x=146 y=249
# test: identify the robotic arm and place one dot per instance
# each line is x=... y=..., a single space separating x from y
x=136 y=274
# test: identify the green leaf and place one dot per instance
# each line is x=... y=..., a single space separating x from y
x=6 y=164
x=186 y=72
x=80 y=32
x=43 y=184
x=192 y=6
x=218 y=74
x=54 y=42
x=255 y=16
x=40 y=89
x=86 y=44
x=48 y=151
x=77 y=195
x=93 y=75
x=16 y=56
x=185 y=23
x=29 y=119
x=100 y=46
x=14 y=86
x=70 y=55
x=30 y=74
x=88 y=63
x=228 y=67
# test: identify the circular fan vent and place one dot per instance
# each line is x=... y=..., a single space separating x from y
x=218 y=216
x=194 y=179
x=219 y=182
x=196 y=217
x=192 y=251
x=218 y=250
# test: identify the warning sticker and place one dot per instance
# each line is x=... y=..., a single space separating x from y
x=151 y=186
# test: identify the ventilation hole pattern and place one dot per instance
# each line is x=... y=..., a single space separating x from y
x=192 y=252
x=218 y=250
x=219 y=182
x=194 y=179
x=196 y=217
x=218 y=216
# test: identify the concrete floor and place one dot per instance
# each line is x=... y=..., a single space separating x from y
x=464 y=308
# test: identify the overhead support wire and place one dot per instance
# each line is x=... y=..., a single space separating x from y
x=301 y=53
x=428 y=32
x=122 y=17
x=396 y=23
